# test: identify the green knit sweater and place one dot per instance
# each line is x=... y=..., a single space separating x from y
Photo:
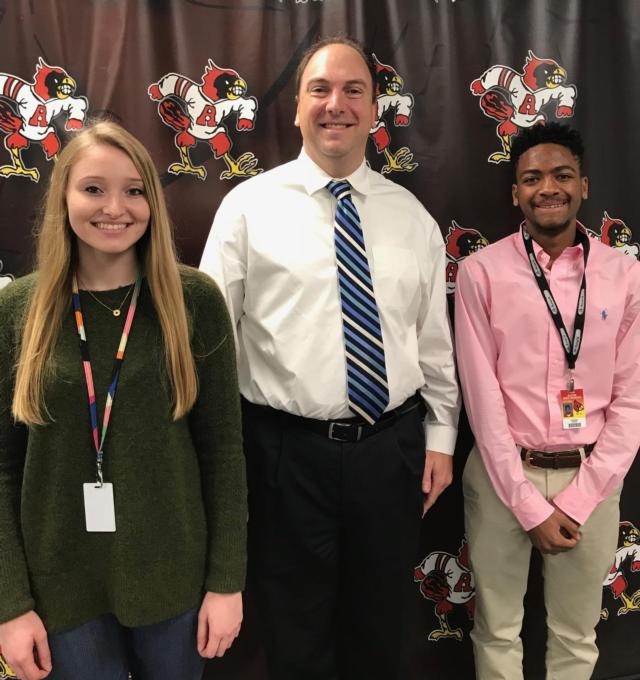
x=179 y=486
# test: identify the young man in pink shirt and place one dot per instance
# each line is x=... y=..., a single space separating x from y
x=547 y=336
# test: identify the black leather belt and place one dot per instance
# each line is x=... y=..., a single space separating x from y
x=555 y=459
x=350 y=429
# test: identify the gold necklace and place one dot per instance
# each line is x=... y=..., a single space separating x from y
x=115 y=311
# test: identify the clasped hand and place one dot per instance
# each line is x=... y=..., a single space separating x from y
x=558 y=533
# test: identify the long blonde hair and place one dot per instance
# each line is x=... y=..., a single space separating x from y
x=52 y=293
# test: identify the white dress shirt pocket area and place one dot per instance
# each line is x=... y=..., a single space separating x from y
x=396 y=278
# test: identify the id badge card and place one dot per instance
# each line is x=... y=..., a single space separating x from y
x=574 y=414
x=99 y=510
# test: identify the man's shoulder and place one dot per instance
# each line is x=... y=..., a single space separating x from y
x=383 y=189
x=616 y=268
x=280 y=176
x=257 y=199
x=498 y=251
x=612 y=256
x=379 y=184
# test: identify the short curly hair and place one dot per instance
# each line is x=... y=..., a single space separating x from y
x=551 y=133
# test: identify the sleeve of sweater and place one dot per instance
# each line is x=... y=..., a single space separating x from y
x=15 y=592
x=216 y=430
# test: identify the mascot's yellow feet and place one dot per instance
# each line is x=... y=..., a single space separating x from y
x=244 y=166
x=499 y=156
x=187 y=169
x=401 y=161
x=628 y=608
x=9 y=170
x=5 y=671
x=454 y=633
x=631 y=604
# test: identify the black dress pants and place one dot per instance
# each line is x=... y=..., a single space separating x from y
x=333 y=540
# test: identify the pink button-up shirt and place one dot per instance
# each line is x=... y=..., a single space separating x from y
x=512 y=368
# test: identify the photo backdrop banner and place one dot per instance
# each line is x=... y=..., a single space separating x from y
x=208 y=86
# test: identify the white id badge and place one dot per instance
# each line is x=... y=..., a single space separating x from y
x=99 y=511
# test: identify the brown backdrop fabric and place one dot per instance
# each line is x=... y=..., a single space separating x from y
x=445 y=133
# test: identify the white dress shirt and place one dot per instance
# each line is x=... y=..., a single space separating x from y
x=271 y=251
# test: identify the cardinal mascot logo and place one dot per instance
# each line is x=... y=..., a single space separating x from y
x=28 y=109
x=616 y=234
x=626 y=561
x=202 y=112
x=447 y=580
x=520 y=100
x=394 y=108
x=460 y=243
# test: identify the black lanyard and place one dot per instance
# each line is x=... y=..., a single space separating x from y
x=571 y=346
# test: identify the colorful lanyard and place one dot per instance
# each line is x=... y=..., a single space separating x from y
x=98 y=441
x=571 y=346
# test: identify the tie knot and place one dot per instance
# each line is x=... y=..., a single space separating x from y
x=339 y=188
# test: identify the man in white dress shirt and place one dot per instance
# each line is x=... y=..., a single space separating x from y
x=336 y=379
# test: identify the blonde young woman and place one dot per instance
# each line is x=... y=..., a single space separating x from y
x=122 y=490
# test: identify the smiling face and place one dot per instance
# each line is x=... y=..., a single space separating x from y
x=549 y=189
x=106 y=204
x=336 y=109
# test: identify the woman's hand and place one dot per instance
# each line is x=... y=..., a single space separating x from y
x=25 y=648
x=219 y=622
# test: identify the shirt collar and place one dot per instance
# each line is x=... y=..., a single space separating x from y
x=543 y=257
x=314 y=178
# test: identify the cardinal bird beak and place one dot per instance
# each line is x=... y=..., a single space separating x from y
x=238 y=88
x=66 y=88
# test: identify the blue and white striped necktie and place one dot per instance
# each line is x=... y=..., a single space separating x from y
x=367 y=386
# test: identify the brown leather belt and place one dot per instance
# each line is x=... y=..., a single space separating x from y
x=555 y=459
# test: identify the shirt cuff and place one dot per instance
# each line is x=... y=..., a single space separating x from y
x=575 y=504
x=532 y=511
x=440 y=438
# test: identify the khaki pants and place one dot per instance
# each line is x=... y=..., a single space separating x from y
x=500 y=550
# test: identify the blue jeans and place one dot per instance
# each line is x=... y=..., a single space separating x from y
x=103 y=649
